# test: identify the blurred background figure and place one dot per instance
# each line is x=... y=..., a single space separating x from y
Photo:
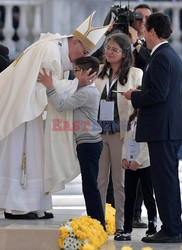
x=4 y=57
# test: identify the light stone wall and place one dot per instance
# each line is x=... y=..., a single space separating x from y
x=68 y=14
x=63 y=16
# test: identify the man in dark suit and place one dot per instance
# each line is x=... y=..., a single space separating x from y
x=141 y=55
x=159 y=123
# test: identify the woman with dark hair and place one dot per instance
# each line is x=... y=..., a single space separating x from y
x=116 y=75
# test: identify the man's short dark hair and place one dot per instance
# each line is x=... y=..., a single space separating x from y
x=161 y=24
x=88 y=62
x=143 y=6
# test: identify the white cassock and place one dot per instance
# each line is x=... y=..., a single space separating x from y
x=51 y=159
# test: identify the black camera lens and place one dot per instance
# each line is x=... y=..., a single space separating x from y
x=123 y=18
x=137 y=16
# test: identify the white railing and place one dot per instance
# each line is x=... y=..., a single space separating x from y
x=36 y=16
x=28 y=17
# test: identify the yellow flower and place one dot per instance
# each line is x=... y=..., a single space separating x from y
x=126 y=248
x=110 y=219
x=88 y=247
x=63 y=232
x=83 y=233
x=60 y=243
x=147 y=248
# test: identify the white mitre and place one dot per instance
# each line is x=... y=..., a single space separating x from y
x=88 y=35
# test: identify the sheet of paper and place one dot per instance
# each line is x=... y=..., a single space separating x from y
x=117 y=91
x=132 y=150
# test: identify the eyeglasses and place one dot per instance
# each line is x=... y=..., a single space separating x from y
x=85 y=52
x=77 y=70
x=114 y=50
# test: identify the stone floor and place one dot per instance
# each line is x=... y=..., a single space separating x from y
x=43 y=234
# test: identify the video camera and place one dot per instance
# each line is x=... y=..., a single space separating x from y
x=123 y=18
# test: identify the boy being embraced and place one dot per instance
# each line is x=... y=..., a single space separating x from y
x=85 y=103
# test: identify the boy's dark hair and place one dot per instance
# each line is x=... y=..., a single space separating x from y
x=161 y=23
x=143 y=6
x=88 y=62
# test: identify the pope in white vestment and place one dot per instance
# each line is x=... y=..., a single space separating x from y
x=35 y=160
x=23 y=101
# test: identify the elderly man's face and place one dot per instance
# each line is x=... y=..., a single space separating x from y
x=77 y=49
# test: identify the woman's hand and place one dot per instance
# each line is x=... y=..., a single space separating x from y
x=45 y=79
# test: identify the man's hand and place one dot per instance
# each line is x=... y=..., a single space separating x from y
x=84 y=77
x=45 y=79
x=110 y=28
x=127 y=94
x=133 y=34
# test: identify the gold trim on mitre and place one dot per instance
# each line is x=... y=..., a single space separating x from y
x=88 y=35
x=84 y=39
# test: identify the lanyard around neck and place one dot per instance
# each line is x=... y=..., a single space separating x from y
x=109 y=86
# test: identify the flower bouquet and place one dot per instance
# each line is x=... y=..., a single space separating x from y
x=83 y=233
x=110 y=219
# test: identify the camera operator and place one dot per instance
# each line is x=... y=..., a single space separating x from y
x=136 y=33
x=135 y=29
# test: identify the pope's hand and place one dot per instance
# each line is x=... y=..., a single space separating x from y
x=85 y=78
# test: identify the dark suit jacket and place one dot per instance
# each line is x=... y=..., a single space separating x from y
x=141 y=57
x=160 y=101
